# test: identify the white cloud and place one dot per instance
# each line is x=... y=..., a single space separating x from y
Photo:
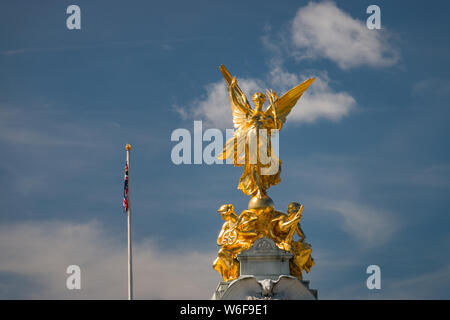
x=38 y=126
x=320 y=101
x=42 y=252
x=370 y=226
x=323 y=30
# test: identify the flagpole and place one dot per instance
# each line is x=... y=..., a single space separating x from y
x=130 y=256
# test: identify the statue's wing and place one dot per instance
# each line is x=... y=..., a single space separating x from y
x=281 y=107
x=239 y=103
x=235 y=147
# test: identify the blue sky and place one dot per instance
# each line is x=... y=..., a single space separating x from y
x=365 y=151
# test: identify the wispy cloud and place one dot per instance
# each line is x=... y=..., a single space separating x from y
x=371 y=226
x=338 y=181
x=322 y=30
x=164 y=44
x=433 y=283
x=42 y=251
x=34 y=126
x=429 y=285
x=49 y=145
x=433 y=176
x=434 y=86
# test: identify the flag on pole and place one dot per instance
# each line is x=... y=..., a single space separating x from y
x=126 y=206
x=125 y=189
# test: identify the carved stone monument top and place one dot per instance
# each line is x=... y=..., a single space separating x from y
x=264 y=274
x=264 y=247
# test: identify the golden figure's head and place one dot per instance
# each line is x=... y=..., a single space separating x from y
x=259 y=98
x=293 y=208
x=226 y=211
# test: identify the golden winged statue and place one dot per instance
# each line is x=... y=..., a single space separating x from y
x=251 y=145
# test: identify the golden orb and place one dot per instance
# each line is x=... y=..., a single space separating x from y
x=128 y=147
x=261 y=203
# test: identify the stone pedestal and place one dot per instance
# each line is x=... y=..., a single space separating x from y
x=264 y=274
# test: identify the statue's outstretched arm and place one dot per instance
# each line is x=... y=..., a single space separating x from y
x=239 y=103
x=288 y=224
x=236 y=97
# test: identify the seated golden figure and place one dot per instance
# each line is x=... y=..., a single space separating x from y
x=237 y=234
